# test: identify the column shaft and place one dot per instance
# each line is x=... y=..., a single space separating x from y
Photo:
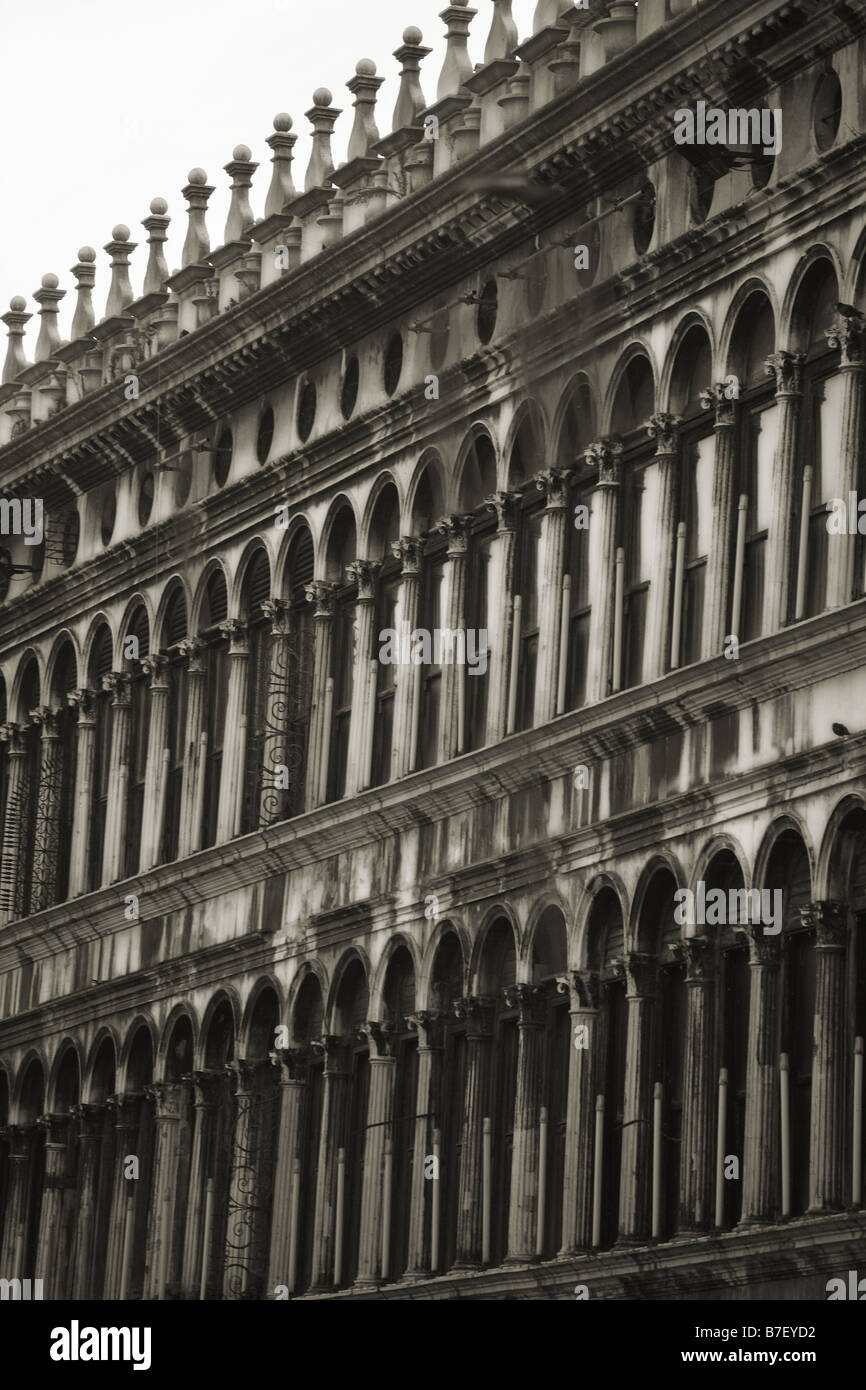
x=500 y=616
x=523 y=1200
x=429 y=1030
x=634 y=1190
x=292 y=1089
x=380 y=1107
x=195 y=745
x=323 y=596
x=409 y=550
x=457 y=530
x=83 y=792
x=665 y=429
x=554 y=525
x=156 y=770
x=717 y=594
x=235 y=740
x=478 y=1012
x=787 y=368
x=580 y=1117
x=51 y=1267
x=360 y=743
x=761 y=1182
x=828 y=1131
x=849 y=335
x=118 y=777
x=605 y=505
x=696 y=1187
x=331 y=1138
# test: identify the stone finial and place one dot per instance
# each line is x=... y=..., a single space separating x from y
x=197 y=244
x=85 y=278
x=156 y=225
x=364 y=87
x=457 y=66
x=410 y=98
x=15 y=320
x=48 y=298
x=282 y=143
x=547 y=14
x=323 y=117
x=240 y=168
x=120 y=248
x=502 y=39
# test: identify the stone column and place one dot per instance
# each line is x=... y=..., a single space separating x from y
x=456 y=528
x=478 y=1012
x=79 y=855
x=21 y=1139
x=696 y=1168
x=761 y=1181
x=365 y=574
x=168 y=1100
x=206 y=1096
x=787 y=369
x=51 y=1267
x=292 y=1087
x=156 y=769
x=322 y=595
x=605 y=456
x=409 y=551
x=46 y=848
x=331 y=1138
x=127 y=1109
x=500 y=596
x=717 y=595
x=13 y=828
x=828 y=1130
x=277 y=712
x=249 y=1178
x=664 y=428
x=90 y=1123
x=235 y=741
x=583 y=986
x=635 y=1177
x=849 y=336
x=118 y=776
x=553 y=482
x=523 y=1201
x=380 y=1108
x=428 y=1026
x=195 y=744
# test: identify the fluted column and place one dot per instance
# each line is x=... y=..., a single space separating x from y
x=696 y=1188
x=90 y=1127
x=331 y=1138
x=292 y=1087
x=554 y=483
x=523 y=1200
x=84 y=764
x=127 y=1110
x=51 y=1267
x=428 y=1026
x=206 y=1096
x=118 y=777
x=828 y=1130
x=408 y=550
x=365 y=573
x=195 y=744
x=274 y=750
x=761 y=1134
x=21 y=1140
x=380 y=1107
x=717 y=592
x=634 y=1190
x=47 y=845
x=500 y=596
x=787 y=369
x=605 y=456
x=456 y=528
x=168 y=1100
x=848 y=334
x=664 y=428
x=322 y=595
x=13 y=828
x=579 y=1120
x=235 y=739
x=156 y=769
x=478 y=1012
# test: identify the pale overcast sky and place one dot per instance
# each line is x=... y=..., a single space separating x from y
x=105 y=106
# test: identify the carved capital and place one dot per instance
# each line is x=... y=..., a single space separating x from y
x=364 y=574
x=848 y=334
x=125 y=1107
x=277 y=611
x=427 y=1023
x=477 y=1010
x=235 y=632
x=206 y=1092
x=763 y=949
x=292 y=1059
x=456 y=528
x=553 y=482
x=699 y=958
x=529 y=1002
x=380 y=1037
x=154 y=666
x=56 y=1128
x=167 y=1097
x=45 y=717
x=409 y=550
x=506 y=505
x=606 y=456
x=322 y=594
x=83 y=701
x=582 y=985
x=334 y=1051
x=665 y=430
x=116 y=684
x=714 y=398
x=829 y=921
x=192 y=649
x=642 y=974
x=11 y=734
x=787 y=369
x=90 y=1119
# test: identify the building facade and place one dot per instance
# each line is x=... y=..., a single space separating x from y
x=338 y=958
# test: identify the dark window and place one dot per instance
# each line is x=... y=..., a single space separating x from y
x=349 y=393
x=827 y=110
x=71 y=533
x=644 y=221
x=734 y=1052
x=798 y=1042
x=387 y=590
x=306 y=411
x=265 y=436
x=580 y=607
x=216 y=699
x=343 y=675
x=488 y=308
x=671 y=1034
x=429 y=676
x=145 y=499
x=223 y=458
x=697 y=514
x=393 y=363
x=100 y=665
x=108 y=515
x=760 y=426
x=614 y=1022
x=529 y=543
x=477 y=617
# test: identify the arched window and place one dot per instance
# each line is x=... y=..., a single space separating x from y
x=524 y=463
x=141 y=1137
x=752 y=343
x=253 y=1157
x=139 y=727
x=31 y=1106
x=447 y=988
x=214 y=612
x=100 y=665
x=65 y=681
x=724 y=873
x=659 y=936
x=549 y=960
x=308 y=1030
x=399 y=1006
x=257 y=589
x=577 y=434
x=427 y=509
x=341 y=554
x=384 y=530
x=352 y=999
x=102 y=1085
x=218 y=1140
x=175 y=631
x=605 y=956
x=496 y=975
x=821 y=435
x=478 y=482
x=633 y=407
x=788 y=870
x=299 y=573
x=23 y=811
x=692 y=374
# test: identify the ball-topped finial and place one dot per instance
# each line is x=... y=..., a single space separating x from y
x=49 y=281
x=283 y=122
x=242 y=152
x=412 y=35
x=197 y=176
x=86 y=254
x=322 y=97
x=158 y=206
x=365 y=67
x=17 y=303
x=120 y=232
